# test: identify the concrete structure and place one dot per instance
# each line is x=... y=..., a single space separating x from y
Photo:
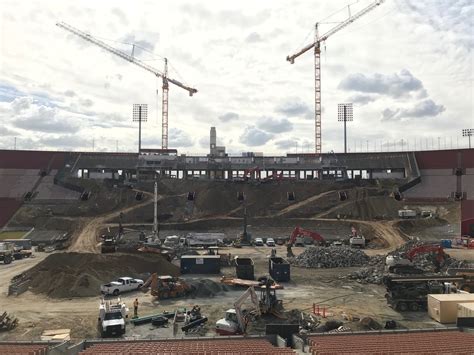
x=215 y=151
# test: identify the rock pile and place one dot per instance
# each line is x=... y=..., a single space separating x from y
x=330 y=257
x=204 y=288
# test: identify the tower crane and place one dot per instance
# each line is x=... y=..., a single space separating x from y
x=317 y=64
x=163 y=75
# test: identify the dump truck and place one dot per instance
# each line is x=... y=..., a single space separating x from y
x=22 y=248
x=356 y=239
x=112 y=317
x=6 y=252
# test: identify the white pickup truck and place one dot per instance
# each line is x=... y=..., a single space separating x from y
x=122 y=284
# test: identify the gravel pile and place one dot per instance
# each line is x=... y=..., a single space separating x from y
x=207 y=288
x=330 y=257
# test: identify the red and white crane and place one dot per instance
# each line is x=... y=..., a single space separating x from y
x=317 y=64
x=163 y=75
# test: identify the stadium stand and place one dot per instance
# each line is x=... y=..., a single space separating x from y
x=183 y=346
x=8 y=207
x=16 y=182
x=430 y=342
x=47 y=190
x=24 y=159
x=435 y=184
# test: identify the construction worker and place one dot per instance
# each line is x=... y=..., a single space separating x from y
x=135 y=308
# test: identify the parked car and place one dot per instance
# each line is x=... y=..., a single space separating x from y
x=122 y=284
x=258 y=242
x=270 y=242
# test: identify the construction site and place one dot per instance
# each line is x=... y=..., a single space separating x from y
x=159 y=252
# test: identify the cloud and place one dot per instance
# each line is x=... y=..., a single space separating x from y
x=86 y=102
x=45 y=119
x=425 y=108
x=20 y=104
x=294 y=107
x=253 y=38
x=394 y=85
x=141 y=44
x=204 y=142
x=273 y=125
x=228 y=116
x=362 y=99
x=69 y=93
x=179 y=138
x=5 y=132
x=253 y=136
x=285 y=144
x=65 y=142
x=120 y=15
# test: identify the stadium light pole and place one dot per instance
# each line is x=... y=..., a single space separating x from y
x=344 y=114
x=468 y=132
x=140 y=114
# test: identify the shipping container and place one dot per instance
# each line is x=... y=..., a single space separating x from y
x=200 y=264
x=465 y=315
x=279 y=269
x=244 y=268
x=444 y=307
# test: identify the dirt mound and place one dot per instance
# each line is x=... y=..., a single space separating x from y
x=66 y=275
x=207 y=288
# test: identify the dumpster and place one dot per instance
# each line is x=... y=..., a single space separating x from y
x=200 y=264
x=279 y=269
x=244 y=268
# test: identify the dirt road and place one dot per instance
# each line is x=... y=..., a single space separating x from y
x=303 y=203
x=85 y=241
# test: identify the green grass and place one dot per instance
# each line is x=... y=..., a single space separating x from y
x=12 y=235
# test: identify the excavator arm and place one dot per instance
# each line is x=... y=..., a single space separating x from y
x=238 y=307
x=297 y=232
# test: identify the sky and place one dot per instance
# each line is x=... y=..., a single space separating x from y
x=407 y=67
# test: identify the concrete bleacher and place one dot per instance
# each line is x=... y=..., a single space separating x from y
x=208 y=346
x=107 y=160
x=47 y=190
x=468 y=183
x=14 y=183
x=435 y=184
x=8 y=207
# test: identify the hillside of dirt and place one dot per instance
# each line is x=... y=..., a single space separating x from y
x=67 y=275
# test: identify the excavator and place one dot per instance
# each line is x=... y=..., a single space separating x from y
x=164 y=287
x=297 y=238
x=236 y=320
x=405 y=265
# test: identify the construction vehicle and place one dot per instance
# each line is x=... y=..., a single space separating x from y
x=406 y=213
x=6 y=252
x=168 y=254
x=21 y=247
x=112 y=317
x=356 y=240
x=236 y=320
x=410 y=293
x=109 y=242
x=298 y=236
x=164 y=287
x=7 y=322
x=404 y=265
x=316 y=44
x=463 y=242
x=122 y=284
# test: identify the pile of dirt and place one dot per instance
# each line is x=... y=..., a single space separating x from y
x=66 y=275
x=207 y=288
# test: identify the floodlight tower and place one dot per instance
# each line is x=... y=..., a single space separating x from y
x=140 y=114
x=468 y=132
x=344 y=114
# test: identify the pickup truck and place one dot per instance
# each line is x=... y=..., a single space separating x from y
x=122 y=284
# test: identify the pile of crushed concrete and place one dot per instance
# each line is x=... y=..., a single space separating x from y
x=67 y=275
x=330 y=257
x=373 y=273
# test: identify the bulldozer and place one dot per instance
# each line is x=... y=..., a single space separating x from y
x=165 y=287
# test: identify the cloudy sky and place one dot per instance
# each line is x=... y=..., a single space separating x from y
x=407 y=66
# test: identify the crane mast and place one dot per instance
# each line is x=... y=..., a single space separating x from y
x=317 y=66
x=130 y=58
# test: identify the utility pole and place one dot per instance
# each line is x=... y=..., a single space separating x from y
x=155 y=211
x=345 y=113
x=468 y=132
x=140 y=113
